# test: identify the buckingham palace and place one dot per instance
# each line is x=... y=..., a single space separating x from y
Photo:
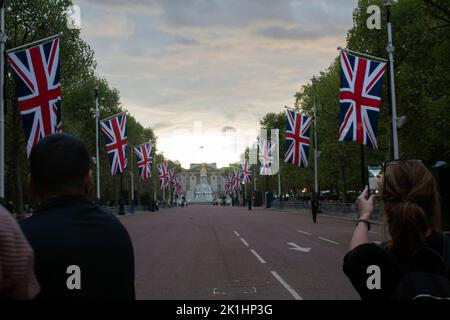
x=203 y=182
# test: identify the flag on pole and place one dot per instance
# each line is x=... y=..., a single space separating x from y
x=178 y=185
x=265 y=156
x=36 y=72
x=236 y=176
x=298 y=131
x=245 y=171
x=360 y=98
x=163 y=175
x=171 y=176
x=144 y=160
x=115 y=131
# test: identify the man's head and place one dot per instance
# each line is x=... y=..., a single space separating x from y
x=59 y=165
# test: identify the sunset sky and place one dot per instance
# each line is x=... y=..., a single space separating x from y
x=203 y=73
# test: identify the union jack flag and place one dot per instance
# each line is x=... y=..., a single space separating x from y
x=163 y=175
x=360 y=98
x=178 y=185
x=245 y=171
x=227 y=185
x=298 y=129
x=115 y=130
x=236 y=179
x=36 y=72
x=266 y=150
x=172 y=176
x=144 y=160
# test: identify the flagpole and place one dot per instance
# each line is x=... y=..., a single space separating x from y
x=363 y=54
x=97 y=151
x=316 y=171
x=27 y=45
x=390 y=51
x=132 y=181
x=2 y=101
x=121 y=204
x=363 y=169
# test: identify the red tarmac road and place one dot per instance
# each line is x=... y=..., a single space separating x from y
x=208 y=252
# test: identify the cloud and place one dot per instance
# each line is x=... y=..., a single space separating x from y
x=221 y=62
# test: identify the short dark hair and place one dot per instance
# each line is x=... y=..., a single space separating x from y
x=58 y=162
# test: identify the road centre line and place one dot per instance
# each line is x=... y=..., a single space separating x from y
x=287 y=286
x=237 y=234
x=244 y=242
x=304 y=232
x=328 y=240
x=257 y=256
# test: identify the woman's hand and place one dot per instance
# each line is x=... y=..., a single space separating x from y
x=364 y=204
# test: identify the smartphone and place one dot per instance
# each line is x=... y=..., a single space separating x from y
x=373 y=175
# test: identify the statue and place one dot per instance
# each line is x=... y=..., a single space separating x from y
x=203 y=170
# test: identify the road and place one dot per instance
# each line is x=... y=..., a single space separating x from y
x=207 y=252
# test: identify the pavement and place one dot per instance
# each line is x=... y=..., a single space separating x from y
x=230 y=253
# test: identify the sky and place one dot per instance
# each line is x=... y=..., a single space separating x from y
x=202 y=73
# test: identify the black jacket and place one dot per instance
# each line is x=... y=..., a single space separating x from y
x=70 y=230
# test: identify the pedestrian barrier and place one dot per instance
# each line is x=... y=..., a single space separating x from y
x=338 y=209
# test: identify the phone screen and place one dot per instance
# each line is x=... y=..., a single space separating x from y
x=374 y=171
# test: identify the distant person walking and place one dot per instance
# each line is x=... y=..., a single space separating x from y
x=415 y=261
x=314 y=207
x=68 y=231
x=17 y=278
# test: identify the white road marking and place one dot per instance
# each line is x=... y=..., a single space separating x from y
x=298 y=248
x=304 y=232
x=328 y=240
x=287 y=286
x=244 y=242
x=237 y=234
x=373 y=232
x=257 y=256
x=377 y=242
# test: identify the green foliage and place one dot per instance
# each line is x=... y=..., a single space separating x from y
x=421 y=31
x=30 y=20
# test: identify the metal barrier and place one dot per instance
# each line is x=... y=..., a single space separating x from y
x=339 y=209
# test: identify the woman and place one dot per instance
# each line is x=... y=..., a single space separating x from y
x=413 y=218
x=17 y=278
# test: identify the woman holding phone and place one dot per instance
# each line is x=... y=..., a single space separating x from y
x=417 y=252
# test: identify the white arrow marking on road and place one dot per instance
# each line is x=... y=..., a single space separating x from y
x=298 y=248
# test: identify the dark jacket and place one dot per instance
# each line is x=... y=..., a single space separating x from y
x=360 y=258
x=70 y=230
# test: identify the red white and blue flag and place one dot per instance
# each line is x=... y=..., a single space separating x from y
x=178 y=185
x=360 y=98
x=245 y=171
x=236 y=179
x=115 y=130
x=144 y=160
x=266 y=157
x=172 y=176
x=163 y=175
x=298 y=132
x=36 y=71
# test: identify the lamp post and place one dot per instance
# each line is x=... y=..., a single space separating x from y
x=390 y=50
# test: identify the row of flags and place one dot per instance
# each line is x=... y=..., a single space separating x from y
x=167 y=178
x=361 y=80
x=36 y=71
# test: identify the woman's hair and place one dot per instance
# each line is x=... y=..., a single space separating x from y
x=411 y=205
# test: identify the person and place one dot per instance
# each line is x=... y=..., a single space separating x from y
x=314 y=207
x=17 y=278
x=416 y=243
x=82 y=251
